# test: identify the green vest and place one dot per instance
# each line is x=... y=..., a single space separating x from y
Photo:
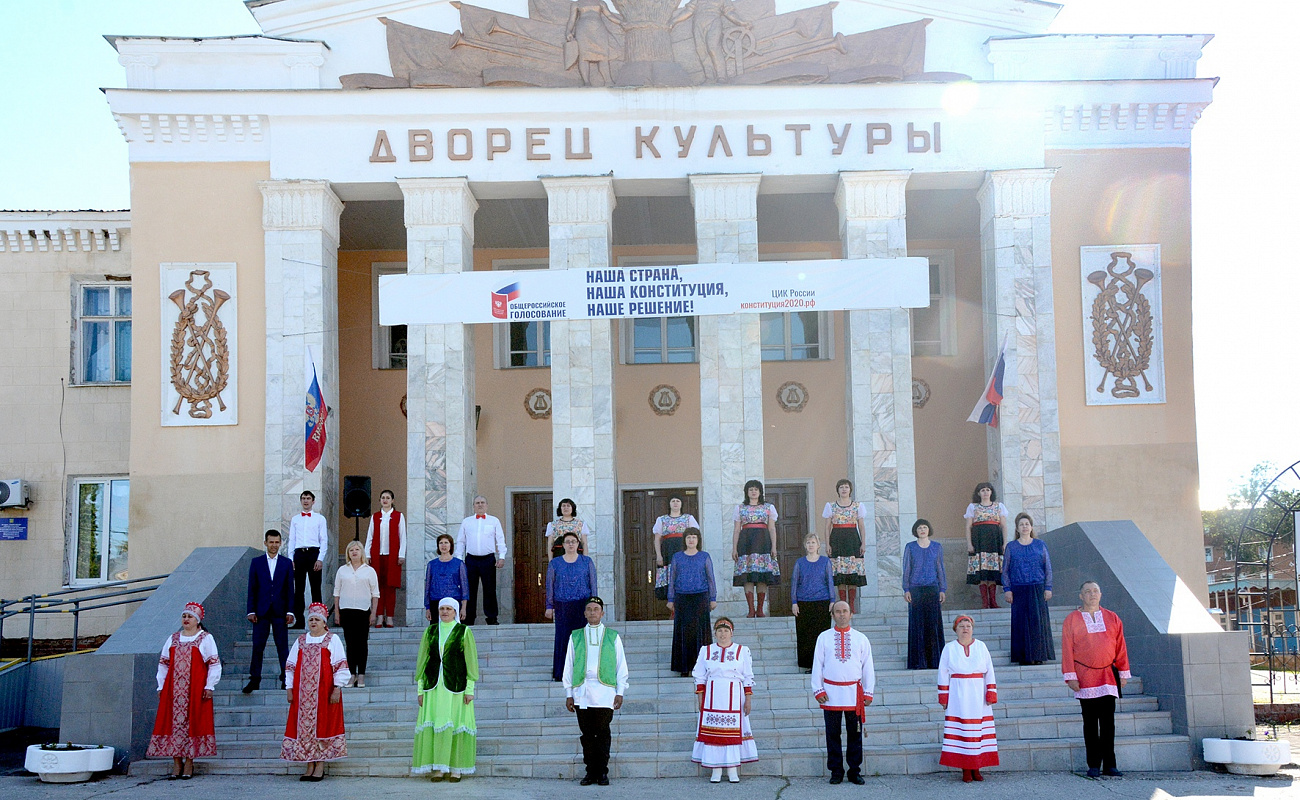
x=607 y=672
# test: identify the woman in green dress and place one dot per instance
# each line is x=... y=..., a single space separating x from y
x=446 y=673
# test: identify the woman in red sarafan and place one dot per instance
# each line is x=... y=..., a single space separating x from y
x=188 y=671
x=315 y=673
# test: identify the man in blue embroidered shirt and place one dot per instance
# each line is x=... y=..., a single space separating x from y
x=595 y=680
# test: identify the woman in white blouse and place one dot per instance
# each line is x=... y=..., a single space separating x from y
x=356 y=600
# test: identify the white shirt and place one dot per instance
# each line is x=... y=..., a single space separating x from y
x=844 y=657
x=480 y=537
x=270 y=563
x=308 y=530
x=207 y=649
x=355 y=587
x=383 y=526
x=592 y=693
x=337 y=657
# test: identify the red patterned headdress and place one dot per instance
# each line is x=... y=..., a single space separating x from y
x=196 y=609
x=318 y=610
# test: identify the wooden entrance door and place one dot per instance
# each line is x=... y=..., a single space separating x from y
x=641 y=507
x=530 y=513
x=791 y=501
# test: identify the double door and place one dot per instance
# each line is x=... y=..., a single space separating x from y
x=641 y=507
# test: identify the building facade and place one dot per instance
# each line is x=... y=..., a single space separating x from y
x=276 y=179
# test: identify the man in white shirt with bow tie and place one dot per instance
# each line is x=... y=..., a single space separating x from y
x=309 y=545
x=481 y=544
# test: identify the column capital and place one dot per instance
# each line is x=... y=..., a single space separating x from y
x=300 y=205
x=872 y=195
x=725 y=197
x=579 y=200
x=437 y=201
x=1016 y=193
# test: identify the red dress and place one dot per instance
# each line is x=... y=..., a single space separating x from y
x=314 y=731
x=184 y=725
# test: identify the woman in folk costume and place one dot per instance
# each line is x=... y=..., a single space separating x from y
x=967 y=691
x=846 y=525
x=753 y=547
x=188 y=671
x=724 y=680
x=386 y=553
x=446 y=673
x=314 y=676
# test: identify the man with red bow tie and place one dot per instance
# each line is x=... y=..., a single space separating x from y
x=308 y=546
x=481 y=544
x=843 y=681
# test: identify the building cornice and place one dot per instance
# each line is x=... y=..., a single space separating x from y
x=62 y=231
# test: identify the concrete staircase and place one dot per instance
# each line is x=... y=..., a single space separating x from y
x=524 y=731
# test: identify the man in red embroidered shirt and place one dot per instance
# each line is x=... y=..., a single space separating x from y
x=1094 y=659
x=843 y=681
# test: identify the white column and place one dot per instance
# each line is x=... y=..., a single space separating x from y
x=301 y=224
x=440 y=426
x=878 y=362
x=731 y=369
x=1016 y=235
x=580 y=211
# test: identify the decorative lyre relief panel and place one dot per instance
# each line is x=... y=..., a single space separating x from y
x=1123 y=338
x=199 y=327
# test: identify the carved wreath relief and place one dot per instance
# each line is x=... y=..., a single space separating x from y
x=1122 y=325
x=200 y=357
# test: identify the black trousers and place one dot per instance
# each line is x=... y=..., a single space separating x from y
x=356 y=631
x=1099 y=731
x=481 y=568
x=264 y=625
x=304 y=569
x=594 y=724
x=834 y=751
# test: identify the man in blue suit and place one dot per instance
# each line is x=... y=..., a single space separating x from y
x=270 y=600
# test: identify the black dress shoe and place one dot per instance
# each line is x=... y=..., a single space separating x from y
x=493 y=622
x=587 y=780
x=837 y=779
x=252 y=686
x=603 y=780
x=857 y=780
x=1111 y=772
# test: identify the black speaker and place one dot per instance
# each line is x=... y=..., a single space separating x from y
x=356 y=495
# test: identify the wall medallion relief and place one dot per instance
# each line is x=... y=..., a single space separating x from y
x=665 y=399
x=1122 y=325
x=538 y=403
x=792 y=396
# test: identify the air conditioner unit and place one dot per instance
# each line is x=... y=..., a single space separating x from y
x=13 y=493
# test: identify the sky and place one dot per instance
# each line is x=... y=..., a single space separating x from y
x=61 y=150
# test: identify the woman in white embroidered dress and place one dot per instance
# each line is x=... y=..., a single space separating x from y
x=967 y=691
x=724 y=680
x=188 y=671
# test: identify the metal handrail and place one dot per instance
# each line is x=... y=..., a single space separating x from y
x=59 y=602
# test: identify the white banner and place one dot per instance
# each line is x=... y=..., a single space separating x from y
x=685 y=290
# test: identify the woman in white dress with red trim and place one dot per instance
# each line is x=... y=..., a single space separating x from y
x=724 y=680
x=967 y=691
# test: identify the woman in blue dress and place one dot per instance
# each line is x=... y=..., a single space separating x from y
x=692 y=594
x=925 y=586
x=812 y=586
x=1027 y=581
x=445 y=577
x=570 y=581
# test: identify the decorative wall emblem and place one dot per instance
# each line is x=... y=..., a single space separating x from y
x=647 y=43
x=664 y=399
x=538 y=403
x=199 y=320
x=920 y=393
x=402 y=405
x=792 y=396
x=1123 y=347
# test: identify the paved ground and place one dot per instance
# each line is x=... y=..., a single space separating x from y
x=1148 y=786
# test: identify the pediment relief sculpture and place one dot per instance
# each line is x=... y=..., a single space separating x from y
x=566 y=43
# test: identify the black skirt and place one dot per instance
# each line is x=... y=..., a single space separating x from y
x=1031 y=625
x=670 y=546
x=985 y=564
x=924 y=628
x=814 y=617
x=570 y=615
x=691 y=629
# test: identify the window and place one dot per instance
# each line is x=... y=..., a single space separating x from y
x=389 y=340
x=99 y=529
x=103 y=333
x=796 y=335
x=522 y=344
x=933 y=327
x=659 y=340
x=1209 y=554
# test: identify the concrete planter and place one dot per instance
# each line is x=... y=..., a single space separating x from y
x=68 y=763
x=1246 y=757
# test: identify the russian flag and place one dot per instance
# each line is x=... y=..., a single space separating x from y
x=316 y=415
x=986 y=409
x=501 y=299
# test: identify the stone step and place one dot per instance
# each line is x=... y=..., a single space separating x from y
x=1136 y=753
